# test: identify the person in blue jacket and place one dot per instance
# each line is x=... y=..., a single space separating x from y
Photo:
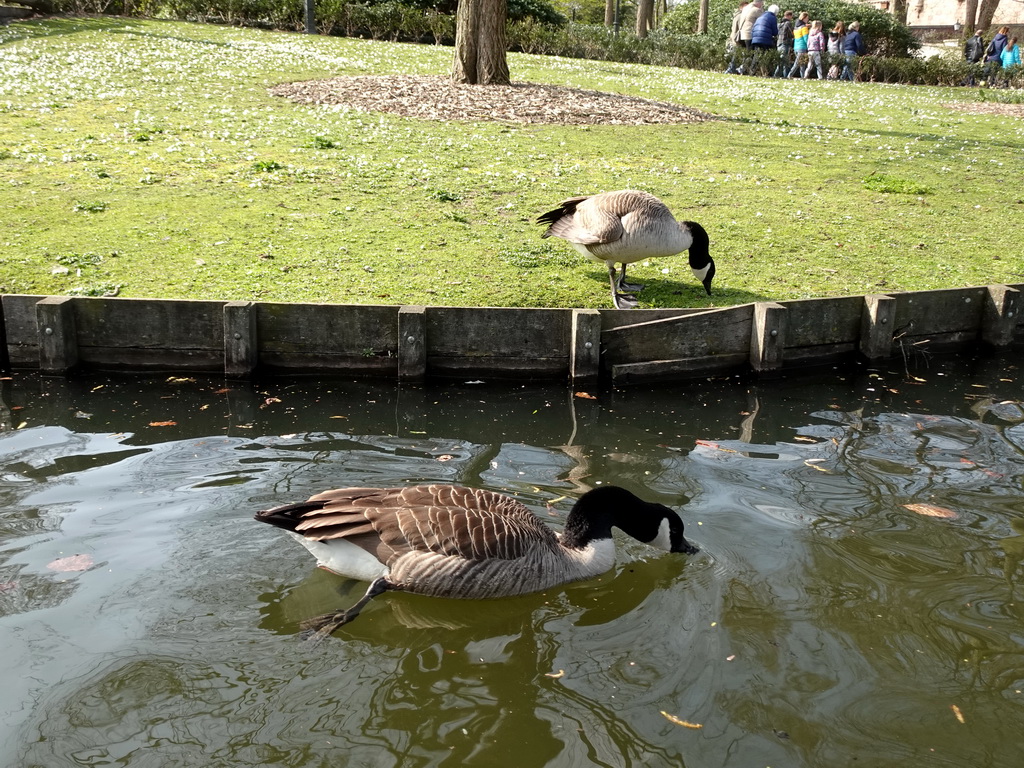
x=766 y=30
x=853 y=46
x=994 y=54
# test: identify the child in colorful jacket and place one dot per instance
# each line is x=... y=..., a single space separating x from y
x=800 y=31
x=815 y=45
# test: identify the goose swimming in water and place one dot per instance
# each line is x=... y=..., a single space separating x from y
x=451 y=541
x=625 y=226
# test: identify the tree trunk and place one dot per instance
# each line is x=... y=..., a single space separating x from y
x=986 y=10
x=702 y=18
x=899 y=11
x=480 y=43
x=609 y=13
x=970 y=15
x=644 y=17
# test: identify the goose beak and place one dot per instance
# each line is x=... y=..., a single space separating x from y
x=686 y=548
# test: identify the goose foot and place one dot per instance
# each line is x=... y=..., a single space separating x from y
x=630 y=287
x=625 y=287
x=620 y=300
x=625 y=301
x=319 y=628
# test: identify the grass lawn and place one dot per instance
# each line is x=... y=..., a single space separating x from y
x=147 y=158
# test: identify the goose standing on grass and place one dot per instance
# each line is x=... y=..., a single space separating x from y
x=450 y=541
x=625 y=226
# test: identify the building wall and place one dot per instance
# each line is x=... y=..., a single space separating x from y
x=946 y=13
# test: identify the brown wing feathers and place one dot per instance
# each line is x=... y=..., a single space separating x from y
x=442 y=519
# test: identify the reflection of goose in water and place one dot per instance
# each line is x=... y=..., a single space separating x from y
x=450 y=541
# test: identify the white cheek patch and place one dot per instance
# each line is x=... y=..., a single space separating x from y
x=664 y=538
x=701 y=273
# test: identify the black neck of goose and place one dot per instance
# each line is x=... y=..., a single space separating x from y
x=700 y=253
x=596 y=511
x=586 y=522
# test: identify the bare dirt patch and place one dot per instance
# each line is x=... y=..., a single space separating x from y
x=988 y=108
x=437 y=98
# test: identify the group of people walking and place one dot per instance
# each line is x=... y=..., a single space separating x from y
x=800 y=44
x=1002 y=53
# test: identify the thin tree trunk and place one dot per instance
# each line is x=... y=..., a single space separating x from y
x=970 y=19
x=644 y=17
x=899 y=11
x=702 y=18
x=609 y=13
x=986 y=10
x=480 y=43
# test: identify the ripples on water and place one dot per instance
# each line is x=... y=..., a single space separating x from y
x=823 y=620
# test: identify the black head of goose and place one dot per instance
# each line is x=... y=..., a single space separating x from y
x=625 y=226
x=451 y=541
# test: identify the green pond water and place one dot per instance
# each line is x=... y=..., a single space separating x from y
x=147 y=620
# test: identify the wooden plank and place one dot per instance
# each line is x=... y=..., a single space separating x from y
x=58 y=339
x=877 y=326
x=767 y=336
x=449 y=366
x=241 y=342
x=585 y=349
x=821 y=322
x=5 y=356
x=22 y=338
x=508 y=342
x=369 y=364
x=150 y=324
x=711 y=333
x=935 y=313
x=412 y=343
x=616 y=318
x=324 y=331
x=674 y=370
x=1001 y=315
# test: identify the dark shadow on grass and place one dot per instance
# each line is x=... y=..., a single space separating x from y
x=51 y=27
x=666 y=293
x=32 y=29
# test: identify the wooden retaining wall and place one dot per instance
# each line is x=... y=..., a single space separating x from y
x=56 y=334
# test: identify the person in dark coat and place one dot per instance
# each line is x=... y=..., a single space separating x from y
x=785 y=44
x=974 y=52
x=852 y=46
x=764 y=33
x=974 y=48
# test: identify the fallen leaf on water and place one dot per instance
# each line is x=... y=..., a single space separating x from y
x=445 y=457
x=958 y=713
x=679 y=721
x=716 y=446
x=930 y=510
x=71 y=563
x=181 y=380
x=804 y=439
x=162 y=423
x=809 y=463
x=556 y=675
x=586 y=396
